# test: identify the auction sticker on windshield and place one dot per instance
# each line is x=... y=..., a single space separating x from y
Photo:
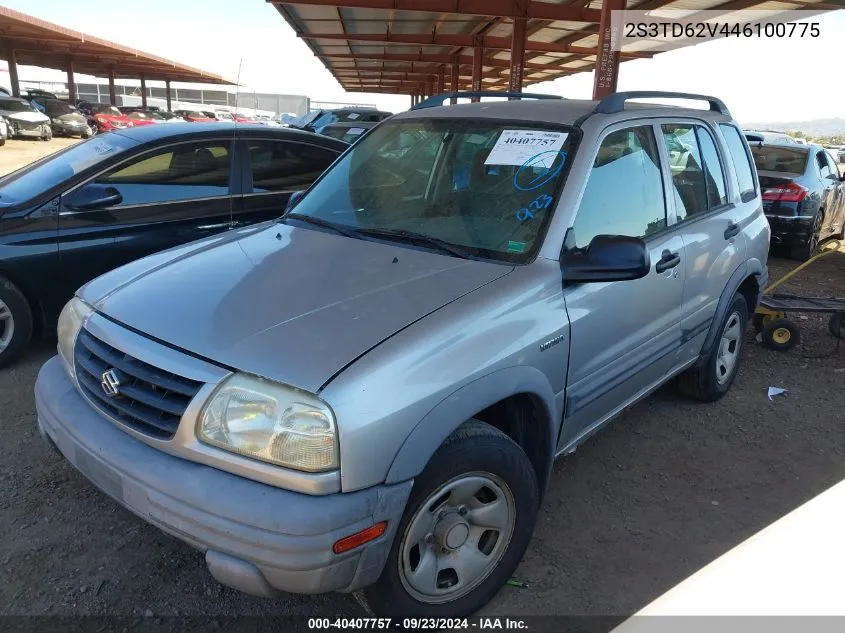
x=516 y=147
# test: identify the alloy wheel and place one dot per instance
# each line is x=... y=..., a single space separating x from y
x=7 y=325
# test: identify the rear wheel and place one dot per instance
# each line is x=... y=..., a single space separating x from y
x=713 y=379
x=465 y=528
x=805 y=251
x=836 y=324
x=15 y=322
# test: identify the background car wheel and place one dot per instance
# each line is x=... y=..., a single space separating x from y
x=836 y=324
x=15 y=322
x=805 y=251
x=466 y=526
x=781 y=335
x=712 y=380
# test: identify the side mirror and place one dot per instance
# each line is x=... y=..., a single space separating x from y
x=92 y=196
x=294 y=199
x=607 y=258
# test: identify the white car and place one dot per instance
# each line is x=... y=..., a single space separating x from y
x=4 y=131
x=793 y=567
x=24 y=120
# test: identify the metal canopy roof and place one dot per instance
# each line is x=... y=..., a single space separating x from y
x=39 y=43
x=407 y=46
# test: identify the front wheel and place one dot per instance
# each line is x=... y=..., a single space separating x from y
x=15 y=322
x=465 y=528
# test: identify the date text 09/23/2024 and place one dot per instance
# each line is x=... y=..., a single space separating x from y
x=417 y=624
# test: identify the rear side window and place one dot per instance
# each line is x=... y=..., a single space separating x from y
x=624 y=192
x=825 y=168
x=741 y=161
x=181 y=172
x=281 y=166
x=713 y=172
x=686 y=166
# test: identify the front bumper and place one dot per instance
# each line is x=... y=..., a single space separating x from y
x=256 y=538
x=30 y=131
x=59 y=127
x=790 y=230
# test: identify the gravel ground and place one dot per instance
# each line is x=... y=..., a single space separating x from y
x=658 y=494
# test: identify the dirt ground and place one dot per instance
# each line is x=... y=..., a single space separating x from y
x=664 y=490
x=16 y=153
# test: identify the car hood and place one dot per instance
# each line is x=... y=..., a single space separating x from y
x=292 y=304
x=70 y=117
x=32 y=117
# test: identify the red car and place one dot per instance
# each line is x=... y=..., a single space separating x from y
x=195 y=116
x=140 y=118
x=107 y=117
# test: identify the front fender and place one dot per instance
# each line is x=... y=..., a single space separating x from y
x=465 y=402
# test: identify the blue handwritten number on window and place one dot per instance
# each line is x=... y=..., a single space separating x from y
x=539 y=203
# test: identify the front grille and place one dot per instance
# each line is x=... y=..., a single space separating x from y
x=150 y=400
x=28 y=126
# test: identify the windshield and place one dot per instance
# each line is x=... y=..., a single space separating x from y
x=58 y=108
x=487 y=187
x=106 y=109
x=36 y=178
x=12 y=105
x=780 y=159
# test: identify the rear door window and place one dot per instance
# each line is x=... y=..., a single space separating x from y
x=741 y=161
x=285 y=166
x=185 y=171
x=714 y=173
x=826 y=170
x=689 y=186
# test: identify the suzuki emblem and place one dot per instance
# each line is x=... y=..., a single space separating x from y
x=110 y=383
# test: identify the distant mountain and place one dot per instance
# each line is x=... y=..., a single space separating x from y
x=814 y=127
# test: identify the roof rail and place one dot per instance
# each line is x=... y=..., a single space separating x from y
x=616 y=102
x=439 y=100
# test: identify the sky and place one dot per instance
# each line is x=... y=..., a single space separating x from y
x=761 y=80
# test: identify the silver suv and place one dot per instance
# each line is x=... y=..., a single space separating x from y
x=367 y=395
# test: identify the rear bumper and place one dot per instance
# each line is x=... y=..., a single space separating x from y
x=256 y=538
x=790 y=230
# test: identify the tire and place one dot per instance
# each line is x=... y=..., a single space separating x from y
x=2 y=142
x=805 y=251
x=781 y=335
x=15 y=322
x=712 y=380
x=475 y=456
x=836 y=324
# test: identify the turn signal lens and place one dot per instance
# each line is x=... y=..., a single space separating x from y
x=359 y=538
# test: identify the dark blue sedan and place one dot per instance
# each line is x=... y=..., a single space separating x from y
x=803 y=195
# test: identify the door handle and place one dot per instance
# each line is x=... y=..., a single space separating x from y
x=667 y=260
x=731 y=231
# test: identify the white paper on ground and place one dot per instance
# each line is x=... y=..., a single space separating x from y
x=775 y=391
x=516 y=147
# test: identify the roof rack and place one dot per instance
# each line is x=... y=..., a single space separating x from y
x=616 y=101
x=439 y=100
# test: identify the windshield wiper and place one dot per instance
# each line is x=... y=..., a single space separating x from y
x=337 y=228
x=400 y=235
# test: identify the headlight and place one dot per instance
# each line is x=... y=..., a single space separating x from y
x=272 y=423
x=70 y=322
